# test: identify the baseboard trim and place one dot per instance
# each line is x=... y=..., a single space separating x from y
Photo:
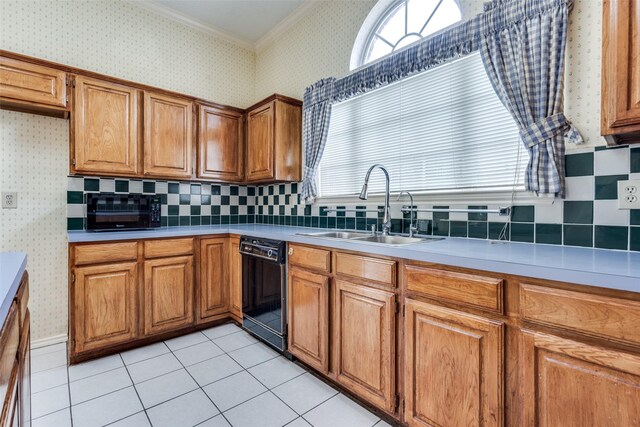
x=43 y=342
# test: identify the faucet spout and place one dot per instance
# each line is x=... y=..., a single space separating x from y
x=386 y=220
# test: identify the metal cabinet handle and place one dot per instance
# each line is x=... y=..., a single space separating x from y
x=290 y=251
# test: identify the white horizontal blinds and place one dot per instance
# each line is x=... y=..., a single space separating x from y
x=443 y=130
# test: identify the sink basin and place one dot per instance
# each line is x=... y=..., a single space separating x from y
x=397 y=240
x=337 y=235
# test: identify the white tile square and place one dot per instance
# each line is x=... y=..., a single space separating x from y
x=143 y=353
x=50 y=378
x=184 y=210
x=205 y=210
x=225 y=210
x=235 y=341
x=135 y=186
x=276 y=371
x=93 y=367
x=136 y=420
x=162 y=187
x=549 y=213
x=185 y=188
x=253 y=354
x=304 y=392
x=46 y=361
x=225 y=190
x=165 y=387
x=164 y=210
x=107 y=185
x=214 y=369
x=580 y=188
x=187 y=410
x=205 y=189
x=75 y=183
x=222 y=330
x=198 y=353
x=340 y=411
x=99 y=385
x=185 y=341
x=195 y=200
x=76 y=211
x=606 y=212
x=265 y=410
x=173 y=199
x=154 y=367
x=611 y=162
x=61 y=418
x=106 y=409
x=216 y=200
x=217 y=421
x=48 y=401
x=234 y=390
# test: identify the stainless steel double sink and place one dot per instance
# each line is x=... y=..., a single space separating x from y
x=369 y=238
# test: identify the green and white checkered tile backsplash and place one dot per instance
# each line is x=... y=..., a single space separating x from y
x=588 y=217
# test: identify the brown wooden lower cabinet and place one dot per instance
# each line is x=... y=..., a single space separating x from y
x=235 y=278
x=569 y=383
x=308 y=316
x=213 y=289
x=364 y=341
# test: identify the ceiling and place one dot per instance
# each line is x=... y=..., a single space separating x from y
x=247 y=21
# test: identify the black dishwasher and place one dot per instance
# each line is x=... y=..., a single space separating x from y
x=264 y=290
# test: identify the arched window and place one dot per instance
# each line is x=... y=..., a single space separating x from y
x=394 y=24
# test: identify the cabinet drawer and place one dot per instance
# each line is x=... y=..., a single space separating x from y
x=165 y=248
x=467 y=289
x=597 y=315
x=23 y=81
x=313 y=258
x=105 y=252
x=374 y=269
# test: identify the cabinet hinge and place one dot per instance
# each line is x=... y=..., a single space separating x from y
x=73 y=277
x=73 y=161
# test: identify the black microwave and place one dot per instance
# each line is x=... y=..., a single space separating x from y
x=109 y=211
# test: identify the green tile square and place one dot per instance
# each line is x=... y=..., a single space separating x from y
x=331 y=222
x=163 y=221
x=522 y=232
x=549 y=233
x=475 y=216
x=294 y=187
x=579 y=164
x=185 y=220
x=234 y=190
x=323 y=210
x=195 y=220
x=91 y=184
x=350 y=223
x=578 y=212
x=424 y=226
x=233 y=210
x=522 y=214
x=196 y=189
x=242 y=200
x=578 y=235
x=478 y=229
x=163 y=199
x=173 y=210
x=75 y=197
x=440 y=227
x=122 y=186
x=205 y=220
x=174 y=188
x=173 y=221
x=75 y=223
x=270 y=190
x=185 y=199
x=307 y=210
x=607 y=186
x=205 y=199
x=215 y=220
x=195 y=210
x=215 y=190
x=458 y=228
x=634 y=238
x=148 y=187
x=340 y=223
x=225 y=200
x=251 y=191
x=634 y=160
x=634 y=217
x=495 y=228
x=215 y=210
x=611 y=237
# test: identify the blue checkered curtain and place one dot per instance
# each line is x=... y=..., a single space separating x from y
x=315 y=125
x=522 y=45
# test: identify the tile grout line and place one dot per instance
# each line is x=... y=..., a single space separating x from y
x=69 y=384
x=134 y=389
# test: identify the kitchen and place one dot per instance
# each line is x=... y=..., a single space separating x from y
x=511 y=307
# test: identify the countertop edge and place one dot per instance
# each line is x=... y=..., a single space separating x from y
x=17 y=273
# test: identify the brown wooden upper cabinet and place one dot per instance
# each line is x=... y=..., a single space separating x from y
x=620 y=122
x=167 y=136
x=105 y=124
x=27 y=85
x=220 y=144
x=274 y=140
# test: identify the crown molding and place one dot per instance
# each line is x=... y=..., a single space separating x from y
x=174 y=15
x=288 y=22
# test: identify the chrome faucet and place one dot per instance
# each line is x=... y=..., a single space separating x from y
x=386 y=220
x=412 y=227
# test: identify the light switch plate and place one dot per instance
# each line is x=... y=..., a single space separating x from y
x=9 y=200
x=629 y=194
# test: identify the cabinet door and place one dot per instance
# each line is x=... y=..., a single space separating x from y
x=453 y=367
x=105 y=305
x=235 y=277
x=621 y=66
x=167 y=136
x=308 y=313
x=105 y=123
x=372 y=377
x=168 y=294
x=213 y=289
x=31 y=83
x=571 y=384
x=260 y=143
x=220 y=144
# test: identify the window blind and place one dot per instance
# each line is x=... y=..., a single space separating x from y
x=444 y=130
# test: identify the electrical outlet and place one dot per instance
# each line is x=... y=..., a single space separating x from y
x=9 y=200
x=629 y=194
